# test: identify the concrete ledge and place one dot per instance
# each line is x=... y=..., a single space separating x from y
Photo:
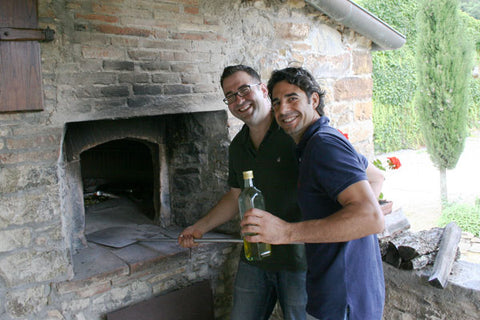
x=410 y=296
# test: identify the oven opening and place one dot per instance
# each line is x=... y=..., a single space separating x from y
x=118 y=184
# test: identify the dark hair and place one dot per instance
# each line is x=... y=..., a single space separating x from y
x=228 y=71
x=300 y=78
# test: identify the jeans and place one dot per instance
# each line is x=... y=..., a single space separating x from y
x=256 y=293
x=309 y=317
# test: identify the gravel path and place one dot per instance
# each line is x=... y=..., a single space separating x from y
x=415 y=186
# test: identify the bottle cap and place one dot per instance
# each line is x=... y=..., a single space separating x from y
x=248 y=174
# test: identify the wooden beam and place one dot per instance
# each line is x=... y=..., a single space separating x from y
x=446 y=255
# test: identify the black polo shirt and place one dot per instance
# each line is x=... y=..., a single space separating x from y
x=275 y=173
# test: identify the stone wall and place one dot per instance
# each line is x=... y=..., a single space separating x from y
x=409 y=296
x=119 y=59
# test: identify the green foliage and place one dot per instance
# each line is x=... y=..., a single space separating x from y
x=474 y=110
x=397 y=13
x=473 y=28
x=378 y=163
x=395 y=128
x=444 y=64
x=473 y=32
x=394 y=71
x=394 y=77
x=466 y=216
x=394 y=74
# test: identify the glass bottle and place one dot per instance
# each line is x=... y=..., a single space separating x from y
x=251 y=197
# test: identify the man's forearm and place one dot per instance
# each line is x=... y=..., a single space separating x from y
x=359 y=216
x=225 y=210
x=344 y=225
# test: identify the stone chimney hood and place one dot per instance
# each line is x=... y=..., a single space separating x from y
x=365 y=23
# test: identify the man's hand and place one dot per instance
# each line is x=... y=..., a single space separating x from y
x=266 y=227
x=185 y=239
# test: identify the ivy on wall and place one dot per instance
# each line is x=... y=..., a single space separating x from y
x=394 y=74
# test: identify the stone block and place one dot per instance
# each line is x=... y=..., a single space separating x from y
x=362 y=62
x=129 y=31
x=25 y=177
x=292 y=31
x=166 y=78
x=140 y=101
x=54 y=315
x=85 y=78
x=134 y=77
x=353 y=89
x=177 y=89
x=4 y=131
x=121 y=296
x=23 y=208
x=94 y=263
x=22 y=303
x=32 y=266
x=206 y=88
x=37 y=141
x=118 y=65
x=48 y=236
x=116 y=91
x=147 y=89
x=327 y=41
x=363 y=111
x=155 y=66
x=14 y=239
x=28 y=156
x=149 y=55
x=75 y=306
x=102 y=53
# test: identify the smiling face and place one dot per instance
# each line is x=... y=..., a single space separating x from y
x=252 y=108
x=293 y=110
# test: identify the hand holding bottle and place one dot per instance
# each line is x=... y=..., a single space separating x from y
x=265 y=226
x=249 y=198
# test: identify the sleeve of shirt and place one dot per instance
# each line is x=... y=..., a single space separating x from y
x=364 y=161
x=337 y=164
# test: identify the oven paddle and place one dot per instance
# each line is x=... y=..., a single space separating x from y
x=201 y=240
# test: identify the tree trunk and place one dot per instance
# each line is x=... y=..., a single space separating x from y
x=443 y=186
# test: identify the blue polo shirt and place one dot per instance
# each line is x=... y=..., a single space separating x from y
x=345 y=273
x=275 y=173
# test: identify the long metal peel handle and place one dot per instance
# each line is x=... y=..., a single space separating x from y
x=218 y=240
x=202 y=240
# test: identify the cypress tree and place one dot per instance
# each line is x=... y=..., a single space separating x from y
x=444 y=63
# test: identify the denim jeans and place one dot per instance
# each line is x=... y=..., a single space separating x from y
x=309 y=317
x=256 y=293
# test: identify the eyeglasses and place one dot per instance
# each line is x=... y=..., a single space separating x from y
x=242 y=92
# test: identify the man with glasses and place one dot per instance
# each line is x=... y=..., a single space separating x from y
x=339 y=207
x=266 y=149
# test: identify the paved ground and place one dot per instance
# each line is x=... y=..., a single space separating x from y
x=415 y=187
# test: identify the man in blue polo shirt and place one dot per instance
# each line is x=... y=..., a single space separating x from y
x=341 y=215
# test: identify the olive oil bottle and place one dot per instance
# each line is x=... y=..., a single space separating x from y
x=251 y=197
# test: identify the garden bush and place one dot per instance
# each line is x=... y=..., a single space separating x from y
x=466 y=216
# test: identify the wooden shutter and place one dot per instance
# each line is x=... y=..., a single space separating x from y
x=20 y=72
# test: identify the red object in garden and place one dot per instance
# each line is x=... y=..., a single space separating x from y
x=393 y=163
